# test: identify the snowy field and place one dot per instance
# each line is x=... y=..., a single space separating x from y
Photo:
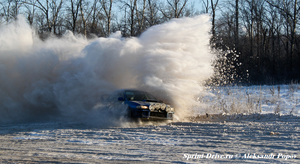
x=283 y=99
x=267 y=136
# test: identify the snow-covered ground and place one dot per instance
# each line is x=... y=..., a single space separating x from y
x=283 y=99
x=246 y=125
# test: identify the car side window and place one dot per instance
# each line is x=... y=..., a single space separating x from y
x=129 y=96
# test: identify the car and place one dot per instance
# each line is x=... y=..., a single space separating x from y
x=143 y=105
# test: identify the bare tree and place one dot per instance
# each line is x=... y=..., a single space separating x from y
x=5 y=8
x=83 y=18
x=97 y=20
x=291 y=10
x=175 y=9
x=140 y=14
x=152 y=14
x=74 y=10
x=205 y=6
x=212 y=5
x=49 y=9
x=213 y=9
x=274 y=24
x=131 y=5
x=10 y=9
x=55 y=8
x=30 y=10
x=107 y=6
x=236 y=31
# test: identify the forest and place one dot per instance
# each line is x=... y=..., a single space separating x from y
x=257 y=40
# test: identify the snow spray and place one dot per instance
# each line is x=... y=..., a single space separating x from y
x=66 y=78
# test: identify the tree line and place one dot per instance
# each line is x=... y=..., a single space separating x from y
x=93 y=17
x=258 y=40
x=263 y=35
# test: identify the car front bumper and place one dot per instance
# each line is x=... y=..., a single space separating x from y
x=147 y=115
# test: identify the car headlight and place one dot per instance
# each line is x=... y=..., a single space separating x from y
x=163 y=106
x=169 y=109
x=157 y=106
x=142 y=107
x=152 y=108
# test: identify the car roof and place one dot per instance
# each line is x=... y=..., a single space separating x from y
x=129 y=90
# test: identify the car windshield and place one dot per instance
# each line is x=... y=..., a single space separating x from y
x=139 y=96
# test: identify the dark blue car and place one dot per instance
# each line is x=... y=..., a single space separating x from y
x=143 y=105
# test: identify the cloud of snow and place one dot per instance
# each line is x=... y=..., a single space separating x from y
x=66 y=78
